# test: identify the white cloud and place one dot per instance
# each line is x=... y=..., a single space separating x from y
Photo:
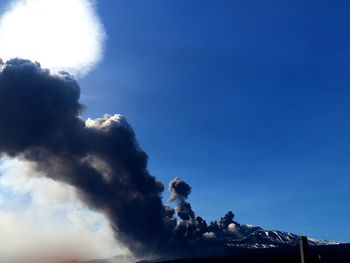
x=59 y=34
x=209 y=235
x=233 y=228
x=37 y=213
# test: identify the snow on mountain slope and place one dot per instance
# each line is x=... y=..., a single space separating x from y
x=247 y=236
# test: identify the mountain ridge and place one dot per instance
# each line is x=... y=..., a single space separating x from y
x=241 y=240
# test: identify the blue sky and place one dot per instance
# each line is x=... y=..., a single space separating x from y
x=248 y=101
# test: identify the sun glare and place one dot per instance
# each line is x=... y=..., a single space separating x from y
x=59 y=34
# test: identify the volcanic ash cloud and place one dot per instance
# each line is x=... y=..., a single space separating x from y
x=41 y=123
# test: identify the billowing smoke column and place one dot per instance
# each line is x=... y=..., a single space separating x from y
x=40 y=122
x=179 y=193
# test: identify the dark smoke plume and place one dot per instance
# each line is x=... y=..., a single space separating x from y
x=40 y=122
x=180 y=191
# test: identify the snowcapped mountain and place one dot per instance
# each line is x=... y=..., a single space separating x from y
x=235 y=241
x=247 y=236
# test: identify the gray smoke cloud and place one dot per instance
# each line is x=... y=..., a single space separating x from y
x=41 y=123
x=180 y=191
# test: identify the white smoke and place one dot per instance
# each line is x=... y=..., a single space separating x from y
x=40 y=217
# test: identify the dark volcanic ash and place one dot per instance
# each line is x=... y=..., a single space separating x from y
x=41 y=123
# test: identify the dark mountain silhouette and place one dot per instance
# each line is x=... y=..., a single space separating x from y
x=317 y=254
